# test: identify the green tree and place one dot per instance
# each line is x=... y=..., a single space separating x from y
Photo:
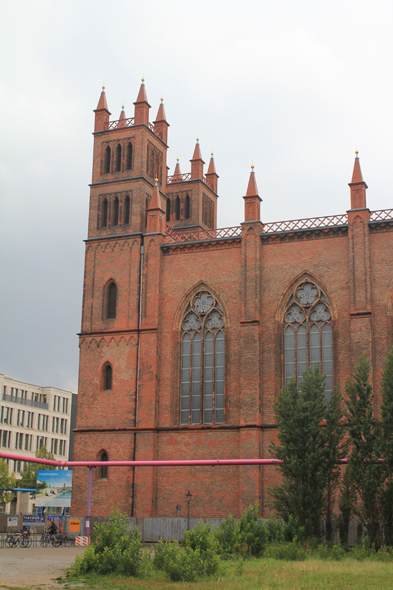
x=366 y=447
x=336 y=449
x=308 y=450
x=6 y=481
x=29 y=473
x=347 y=501
x=387 y=433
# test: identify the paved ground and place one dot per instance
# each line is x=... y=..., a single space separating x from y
x=32 y=567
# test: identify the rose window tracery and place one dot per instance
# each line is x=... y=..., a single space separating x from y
x=202 y=361
x=308 y=333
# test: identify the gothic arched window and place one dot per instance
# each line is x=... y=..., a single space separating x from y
x=118 y=158
x=107 y=160
x=115 y=214
x=104 y=215
x=177 y=208
x=168 y=210
x=107 y=377
x=308 y=334
x=126 y=218
x=103 y=470
x=202 y=361
x=111 y=301
x=187 y=213
x=129 y=156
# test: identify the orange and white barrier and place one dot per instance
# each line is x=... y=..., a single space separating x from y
x=82 y=541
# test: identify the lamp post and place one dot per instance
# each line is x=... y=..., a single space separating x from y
x=188 y=496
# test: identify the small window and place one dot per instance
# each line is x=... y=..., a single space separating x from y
x=126 y=217
x=104 y=213
x=111 y=303
x=129 y=156
x=168 y=210
x=187 y=212
x=104 y=469
x=118 y=158
x=107 y=377
x=177 y=208
x=115 y=216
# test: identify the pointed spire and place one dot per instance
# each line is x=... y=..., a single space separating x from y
x=211 y=175
x=357 y=186
x=102 y=104
x=141 y=116
x=212 y=167
x=197 y=162
x=101 y=113
x=155 y=212
x=357 y=173
x=252 y=201
x=161 y=112
x=252 y=190
x=122 y=118
x=155 y=201
x=142 y=96
x=160 y=124
x=177 y=172
x=197 y=152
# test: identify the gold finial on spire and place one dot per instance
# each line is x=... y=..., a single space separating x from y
x=122 y=106
x=252 y=167
x=156 y=180
x=162 y=99
x=197 y=139
x=212 y=154
x=356 y=152
x=103 y=86
x=177 y=159
x=143 y=80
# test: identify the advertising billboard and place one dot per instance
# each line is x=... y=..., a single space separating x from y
x=54 y=488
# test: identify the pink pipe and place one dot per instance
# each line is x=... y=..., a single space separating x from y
x=191 y=462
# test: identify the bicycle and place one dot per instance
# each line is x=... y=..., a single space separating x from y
x=16 y=538
x=47 y=539
x=66 y=540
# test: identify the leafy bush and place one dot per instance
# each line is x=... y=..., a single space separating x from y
x=187 y=563
x=112 y=550
x=228 y=537
x=332 y=551
x=202 y=538
x=253 y=532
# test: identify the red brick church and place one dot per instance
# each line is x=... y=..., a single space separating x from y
x=189 y=332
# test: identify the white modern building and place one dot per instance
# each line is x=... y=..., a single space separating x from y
x=31 y=417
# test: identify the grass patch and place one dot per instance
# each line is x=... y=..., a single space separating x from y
x=263 y=574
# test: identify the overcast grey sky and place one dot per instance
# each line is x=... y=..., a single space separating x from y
x=294 y=87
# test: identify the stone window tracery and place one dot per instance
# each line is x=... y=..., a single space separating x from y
x=308 y=334
x=202 y=361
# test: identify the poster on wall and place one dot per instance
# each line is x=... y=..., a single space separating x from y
x=54 y=488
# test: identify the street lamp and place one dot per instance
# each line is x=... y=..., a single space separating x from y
x=188 y=496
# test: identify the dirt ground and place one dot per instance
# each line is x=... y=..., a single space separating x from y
x=35 y=567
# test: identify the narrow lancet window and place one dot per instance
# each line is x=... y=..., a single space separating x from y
x=129 y=156
x=118 y=158
x=115 y=217
x=187 y=211
x=168 y=209
x=177 y=208
x=126 y=218
x=111 y=301
x=104 y=213
x=107 y=377
x=107 y=160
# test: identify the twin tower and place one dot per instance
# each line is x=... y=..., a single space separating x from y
x=130 y=177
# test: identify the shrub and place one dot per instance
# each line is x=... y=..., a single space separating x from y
x=202 y=538
x=228 y=537
x=113 y=550
x=187 y=563
x=332 y=551
x=253 y=531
